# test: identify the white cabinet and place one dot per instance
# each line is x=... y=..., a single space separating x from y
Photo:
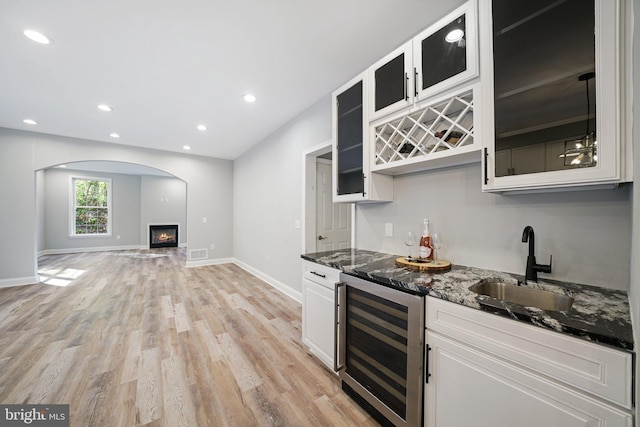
x=318 y=310
x=392 y=82
x=556 y=86
x=352 y=179
x=442 y=56
x=468 y=387
x=489 y=371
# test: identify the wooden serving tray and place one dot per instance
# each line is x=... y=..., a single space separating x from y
x=442 y=265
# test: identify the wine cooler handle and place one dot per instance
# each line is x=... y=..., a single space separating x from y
x=339 y=318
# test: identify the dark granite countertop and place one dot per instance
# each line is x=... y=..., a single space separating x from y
x=597 y=314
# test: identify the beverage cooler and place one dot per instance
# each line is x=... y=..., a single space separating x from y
x=379 y=349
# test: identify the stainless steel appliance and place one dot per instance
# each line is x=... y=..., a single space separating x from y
x=379 y=349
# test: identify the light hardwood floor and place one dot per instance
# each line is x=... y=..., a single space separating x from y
x=134 y=338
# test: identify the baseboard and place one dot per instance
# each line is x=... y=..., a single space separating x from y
x=97 y=249
x=291 y=293
x=19 y=281
x=205 y=262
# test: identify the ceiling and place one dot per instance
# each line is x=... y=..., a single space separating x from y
x=167 y=66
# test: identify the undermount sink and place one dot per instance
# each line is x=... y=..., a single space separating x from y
x=523 y=295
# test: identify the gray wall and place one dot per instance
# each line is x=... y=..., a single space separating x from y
x=40 y=211
x=125 y=212
x=209 y=193
x=267 y=188
x=163 y=200
x=587 y=232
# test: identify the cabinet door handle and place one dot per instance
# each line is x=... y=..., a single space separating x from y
x=364 y=185
x=426 y=364
x=406 y=86
x=415 y=82
x=318 y=274
x=340 y=328
x=486 y=160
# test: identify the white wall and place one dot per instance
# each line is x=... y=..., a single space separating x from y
x=163 y=200
x=125 y=212
x=209 y=193
x=267 y=199
x=587 y=232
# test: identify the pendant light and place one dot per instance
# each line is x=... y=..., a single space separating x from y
x=582 y=152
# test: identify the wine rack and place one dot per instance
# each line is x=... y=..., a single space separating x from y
x=435 y=130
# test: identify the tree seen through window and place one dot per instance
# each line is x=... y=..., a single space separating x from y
x=91 y=206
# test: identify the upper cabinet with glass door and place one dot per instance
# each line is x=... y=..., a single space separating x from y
x=442 y=56
x=352 y=180
x=553 y=107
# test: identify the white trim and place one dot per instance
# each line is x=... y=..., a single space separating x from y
x=19 y=281
x=96 y=249
x=206 y=262
x=308 y=224
x=287 y=290
x=308 y=193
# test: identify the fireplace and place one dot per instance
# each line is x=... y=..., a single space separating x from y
x=163 y=236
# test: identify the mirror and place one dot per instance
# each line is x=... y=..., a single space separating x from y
x=544 y=85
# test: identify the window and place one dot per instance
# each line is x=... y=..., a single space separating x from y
x=91 y=206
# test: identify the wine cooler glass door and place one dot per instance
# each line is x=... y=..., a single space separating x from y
x=383 y=353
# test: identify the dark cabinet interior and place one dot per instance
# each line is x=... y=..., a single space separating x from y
x=390 y=83
x=350 y=140
x=544 y=83
x=444 y=53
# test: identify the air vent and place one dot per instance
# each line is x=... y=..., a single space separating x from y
x=196 y=254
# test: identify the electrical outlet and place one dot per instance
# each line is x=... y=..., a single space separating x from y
x=388 y=229
x=204 y=219
x=213 y=247
x=118 y=237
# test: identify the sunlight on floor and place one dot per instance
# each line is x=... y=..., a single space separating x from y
x=59 y=276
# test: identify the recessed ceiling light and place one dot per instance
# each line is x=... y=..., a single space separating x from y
x=186 y=147
x=114 y=135
x=104 y=107
x=249 y=98
x=30 y=122
x=202 y=127
x=454 y=35
x=37 y=37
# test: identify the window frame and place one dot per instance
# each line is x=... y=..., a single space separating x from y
x=73 y=206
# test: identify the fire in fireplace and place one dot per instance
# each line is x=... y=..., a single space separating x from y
x=163 y=236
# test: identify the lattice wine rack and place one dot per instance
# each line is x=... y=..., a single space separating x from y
x=442 y=126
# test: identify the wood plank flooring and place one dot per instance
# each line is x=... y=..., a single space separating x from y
x=134 y=338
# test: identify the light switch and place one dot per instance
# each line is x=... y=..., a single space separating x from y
x=388 y=229
x=204 y=219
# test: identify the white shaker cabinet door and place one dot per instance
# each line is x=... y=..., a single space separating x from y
x=318 y=320
x=470 y=388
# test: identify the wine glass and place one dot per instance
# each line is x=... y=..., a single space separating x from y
x=410 y=242
x=436 y=241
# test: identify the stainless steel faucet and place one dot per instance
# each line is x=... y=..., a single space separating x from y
x=531 y=272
